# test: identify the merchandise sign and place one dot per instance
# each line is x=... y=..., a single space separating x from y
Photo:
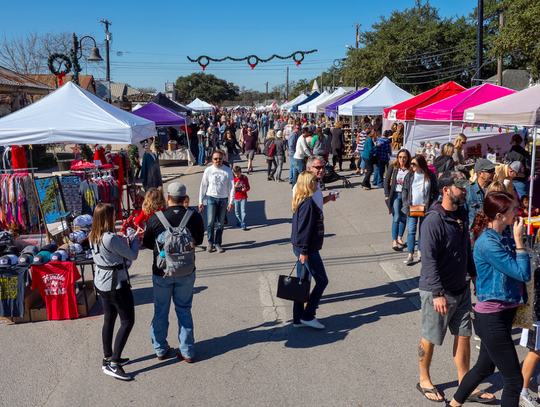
x=103 y=89
x=169 y=87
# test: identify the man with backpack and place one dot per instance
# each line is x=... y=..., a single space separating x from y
x=174 y=270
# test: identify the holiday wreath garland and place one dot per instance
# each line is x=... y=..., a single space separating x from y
x=252 y=60
x=62 y=58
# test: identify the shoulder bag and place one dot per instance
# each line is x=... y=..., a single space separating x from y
x=418 y=210
x=294 y=288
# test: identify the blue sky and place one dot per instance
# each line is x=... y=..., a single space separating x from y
x=155 y=37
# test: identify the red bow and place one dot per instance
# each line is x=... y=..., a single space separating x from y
x=61 y=77
x=297 y=63
x=203 y=66
x=252 y=66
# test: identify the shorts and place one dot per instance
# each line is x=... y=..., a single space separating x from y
x=458 y=318
x=250 y=154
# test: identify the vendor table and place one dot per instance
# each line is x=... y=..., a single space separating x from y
x=82 y=264
x=177 y=155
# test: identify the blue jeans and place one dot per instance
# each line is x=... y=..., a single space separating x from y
x=180 y=289
x=215 y=207
x=240 y=211
x=264 y=129
x=202 y=155
x=291 y=168
x=299 y=167
x=400 y=219
x=315 y=267
x=521 y=188
x=378 y=177
x=413 y=223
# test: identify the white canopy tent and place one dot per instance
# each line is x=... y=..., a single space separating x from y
x=384 y=94
x=137 y=106
x=315 y=102
x=201 y=106
x=72 y=115
x=314 y=108
x=296 y=100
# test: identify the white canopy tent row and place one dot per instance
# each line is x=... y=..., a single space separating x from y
x=201 y=106
x=315 y=102
x=72 y=115
x=314 y=107
x=296 y=100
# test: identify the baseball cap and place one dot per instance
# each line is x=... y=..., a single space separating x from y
x=176 y=189
x=60 y=255
x=8 y=260
x=26 y=259
x=42 y=258
x=31 y=249
x=483 y=165
x=517 y=167
x=51 y=248
x=449 y=178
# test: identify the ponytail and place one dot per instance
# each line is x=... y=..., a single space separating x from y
x=480 y=221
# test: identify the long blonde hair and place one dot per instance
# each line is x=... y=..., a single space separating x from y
x=496 y=186
x=305 y=188
x=154 y=201
x=460 y=137
x=102 y=222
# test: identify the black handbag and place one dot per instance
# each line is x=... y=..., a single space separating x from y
x=294 y=288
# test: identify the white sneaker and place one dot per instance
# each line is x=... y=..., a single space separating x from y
x=528 y=401
x=299 y=325
x=408 y=261
x=313 y=323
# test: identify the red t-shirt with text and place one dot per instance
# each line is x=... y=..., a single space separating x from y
x=241 y=187
x=55 y=282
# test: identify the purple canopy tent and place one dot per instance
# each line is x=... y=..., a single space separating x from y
x=331 y=110
x=161 y=115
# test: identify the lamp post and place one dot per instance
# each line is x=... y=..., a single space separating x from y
x=74 y=58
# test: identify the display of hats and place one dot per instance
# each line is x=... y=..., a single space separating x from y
x=26 y=259
x=78 y=236
x=8 y=260
x=83 y=220
x=31 y=249
x=75 y=248
x=51 y=248
x=65 y=247
x=60 y=255
x=43 y=257
x=6 y=238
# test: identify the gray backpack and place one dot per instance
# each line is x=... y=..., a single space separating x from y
x=179 y=248
x=319 y=148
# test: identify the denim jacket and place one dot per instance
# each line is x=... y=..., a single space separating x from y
x=475 y=200
x=499 y=268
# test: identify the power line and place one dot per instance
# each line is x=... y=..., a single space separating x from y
x=437 y=53
x=436 y=80
x=448 y=69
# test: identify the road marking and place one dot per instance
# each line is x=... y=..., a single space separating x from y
x=274 y=308
x=407 y=284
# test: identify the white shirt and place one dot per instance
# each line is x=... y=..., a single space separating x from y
x=317 y=196
x=400 y=177
x=217 y=183
x=302 y=150
x=417 y=189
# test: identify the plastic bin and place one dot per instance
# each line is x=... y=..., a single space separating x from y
x=26 y=240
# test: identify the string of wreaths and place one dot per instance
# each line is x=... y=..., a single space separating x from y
x=252 y=60
x=59 y=74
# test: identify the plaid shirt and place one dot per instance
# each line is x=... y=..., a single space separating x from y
x=384 y=150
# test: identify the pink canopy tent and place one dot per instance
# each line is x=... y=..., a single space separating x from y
x=442 y=121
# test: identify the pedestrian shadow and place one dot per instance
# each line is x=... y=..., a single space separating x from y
x=389 y=290
x=145 y=295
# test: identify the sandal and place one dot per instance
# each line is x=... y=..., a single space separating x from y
x=476 y=397
x=432 y=391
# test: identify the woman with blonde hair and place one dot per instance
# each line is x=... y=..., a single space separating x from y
x=154 y=201
x=397 y=137
x=496 y=186
x=445 y=162
x=307 y=239
x=459 y=142
x=112 y=283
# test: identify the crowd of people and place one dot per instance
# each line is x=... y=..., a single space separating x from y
x=469 y=223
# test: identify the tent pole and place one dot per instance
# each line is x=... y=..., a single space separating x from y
x=412 y=137
x=529 y=229
x=450 y=132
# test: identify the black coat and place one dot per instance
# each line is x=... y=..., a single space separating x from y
x=443 y=163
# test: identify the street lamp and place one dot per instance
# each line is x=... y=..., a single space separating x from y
x=74 y=57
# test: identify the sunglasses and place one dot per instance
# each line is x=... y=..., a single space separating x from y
x=489 y=171
x=318 y=167
x=413 y=163
x=217 y=158
x=402 y=157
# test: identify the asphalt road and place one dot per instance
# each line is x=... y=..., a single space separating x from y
x=247 y=352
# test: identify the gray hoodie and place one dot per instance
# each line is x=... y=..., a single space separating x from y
x=111 y=252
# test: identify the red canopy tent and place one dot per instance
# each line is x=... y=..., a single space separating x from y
x=406 y=110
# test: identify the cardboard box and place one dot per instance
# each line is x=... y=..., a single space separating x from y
x=172 y=146
x=31 y=298
x=91 y=297
x=38 y=312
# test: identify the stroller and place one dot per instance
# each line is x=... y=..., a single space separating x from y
x=330 y=175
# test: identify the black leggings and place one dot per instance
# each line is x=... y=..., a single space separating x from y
x=368 y=165
x=125 y=308
x=497 y=349
x=270 y=164
x=338 y=156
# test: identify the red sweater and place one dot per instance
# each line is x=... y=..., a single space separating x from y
x=241 y=187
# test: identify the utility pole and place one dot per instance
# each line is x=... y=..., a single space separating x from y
x=107 y=39
x=499 y=60
x=266 y=94
x=321 y=81
x=357 y=31
x=287 y=97
x=479 y=41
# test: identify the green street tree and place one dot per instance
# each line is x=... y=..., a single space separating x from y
x=519 y=39
x=206 y=87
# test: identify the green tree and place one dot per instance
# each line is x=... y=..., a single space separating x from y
x=206 y=87
x=415 y=48
x=519 y=39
